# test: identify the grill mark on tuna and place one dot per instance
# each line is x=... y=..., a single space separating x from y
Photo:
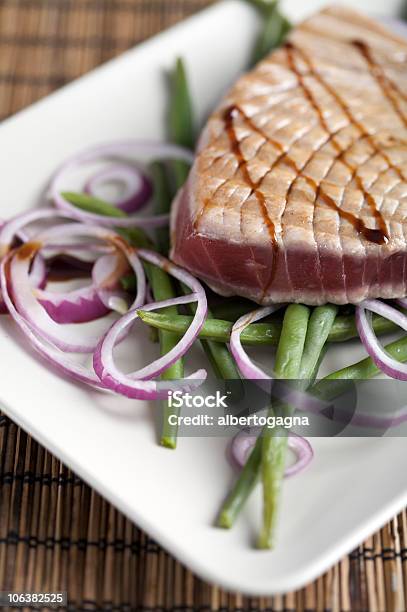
x=283 y=156
x=242 y=162
x=347 y=111
x=388 y=87
x=380 y=235
x=243 y=165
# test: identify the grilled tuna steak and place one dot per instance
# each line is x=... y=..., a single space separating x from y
x=299 y=188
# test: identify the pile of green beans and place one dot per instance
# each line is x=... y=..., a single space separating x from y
x=180 y=120
x=301 y=343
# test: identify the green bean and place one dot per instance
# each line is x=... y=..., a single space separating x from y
x=313 y=350
x=180 y=119
x=299 y=352
x=291 y=343
x=93 y=205
x=231 y=310
x=214 y=329
x=264 y=6
x=134 y=235
x=274 y=31
x=242 y=488
x=162 y=289
x=319 y=326
x=274 y=441
x=335 y=384
x=366 y=368
x=258 y=334
x=273 y=458
x=344 y=328
x=162 y=199
x=181 y=116
x=251 y=471
x=222 y=361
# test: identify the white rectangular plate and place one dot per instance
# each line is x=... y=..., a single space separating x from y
x=353 y=486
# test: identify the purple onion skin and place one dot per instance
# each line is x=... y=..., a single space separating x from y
x=137 y=201
x=82 y=311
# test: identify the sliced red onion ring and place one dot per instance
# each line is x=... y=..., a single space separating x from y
x=244 y=363
x=38 y=273
x=106 y=275
x=242 y=445
x=137 y=186
x=129 y=148
x=13 y=227
x=88 y=252
x=381 y=358
x=49 y=353
x=134 y=385
x=27 y=304
x=85 y=304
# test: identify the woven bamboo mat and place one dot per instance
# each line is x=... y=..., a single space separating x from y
x=55 y=532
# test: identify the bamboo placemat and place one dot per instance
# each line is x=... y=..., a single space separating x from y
x=55 y=532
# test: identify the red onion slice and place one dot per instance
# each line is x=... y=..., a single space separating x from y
x=381 y=358
x=69 y=339
x=27 y=304
x=134 y=385
x=38 y=273
x=12 y=228
x=137 y=186
x=243 y=361
x=49 y=353
x=242 y=445
x=88 y=252
x=128 y=148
